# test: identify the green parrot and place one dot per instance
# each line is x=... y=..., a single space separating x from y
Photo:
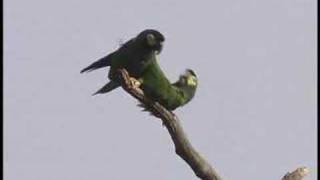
x=157 y=87
x=134 y=55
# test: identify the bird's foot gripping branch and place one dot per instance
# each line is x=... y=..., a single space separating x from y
x=129 y=84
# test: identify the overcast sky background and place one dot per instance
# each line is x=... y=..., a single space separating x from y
x=253 y=116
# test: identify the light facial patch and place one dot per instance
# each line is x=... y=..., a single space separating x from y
x=151 y=40
x=192 y=81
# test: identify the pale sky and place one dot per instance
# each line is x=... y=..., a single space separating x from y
x=253 y=116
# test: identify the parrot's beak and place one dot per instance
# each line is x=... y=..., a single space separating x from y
x=159 y=47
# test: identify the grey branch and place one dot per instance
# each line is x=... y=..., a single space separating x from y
x=297 y=174
x=183 y=147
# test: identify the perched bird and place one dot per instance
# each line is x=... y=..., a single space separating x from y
x=139 y=57
x=134 y=55
x=157 y=87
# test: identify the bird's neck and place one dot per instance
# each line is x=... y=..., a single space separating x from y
x=188 y=92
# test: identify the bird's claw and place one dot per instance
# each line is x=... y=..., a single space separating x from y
x=135 y=83
x=129 y=82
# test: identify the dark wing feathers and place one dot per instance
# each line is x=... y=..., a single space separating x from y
x=107 y=88
x=103 y=62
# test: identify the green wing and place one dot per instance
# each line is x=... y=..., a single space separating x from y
x=157 y=87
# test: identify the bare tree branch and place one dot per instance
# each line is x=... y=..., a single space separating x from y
x=297 y=174
x=183 y=147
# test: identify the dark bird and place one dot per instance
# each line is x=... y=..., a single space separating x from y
x=134 y=55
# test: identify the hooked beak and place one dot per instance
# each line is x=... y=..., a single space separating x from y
x=159 y=47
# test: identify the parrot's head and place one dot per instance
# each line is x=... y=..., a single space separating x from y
x=189 y=79
x=188 y=83
x=152 y=39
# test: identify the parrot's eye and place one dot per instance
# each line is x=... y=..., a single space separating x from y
x=151 y=40
x=192 y=81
